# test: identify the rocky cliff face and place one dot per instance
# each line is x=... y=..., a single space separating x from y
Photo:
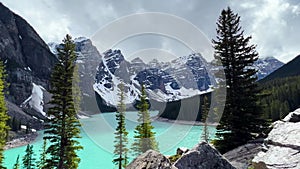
x=26 y=56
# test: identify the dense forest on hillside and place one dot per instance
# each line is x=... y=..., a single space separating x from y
x=281 y=96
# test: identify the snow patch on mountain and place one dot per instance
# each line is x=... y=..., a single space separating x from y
x=52 y=47
x=35 y=101
x=266 y=66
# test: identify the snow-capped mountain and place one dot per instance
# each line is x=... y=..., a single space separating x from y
x=182 y=78
x=266 y=66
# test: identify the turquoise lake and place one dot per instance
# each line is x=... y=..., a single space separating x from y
x=98 y=137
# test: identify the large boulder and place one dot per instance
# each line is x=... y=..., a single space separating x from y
x=282 y=146
x=150 y=160
x=203 y=156
x=241 y=157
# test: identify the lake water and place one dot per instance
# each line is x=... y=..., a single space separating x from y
x=98 y=136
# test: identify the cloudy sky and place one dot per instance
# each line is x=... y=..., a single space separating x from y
x=273 y=24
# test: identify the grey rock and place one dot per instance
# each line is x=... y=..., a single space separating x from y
x=203 y=156
x=21 y=115
x=150 y=160
x=242 y=156
x=282 y=146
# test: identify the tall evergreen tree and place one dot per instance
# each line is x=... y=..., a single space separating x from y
x=121 y=139
x=3 y=113
x=144 y=138
x=17 y=164
x=76 y=89
x=205 y=111
x=43 y=156
x=28 y=159
x=63 y=128
x=242 y=115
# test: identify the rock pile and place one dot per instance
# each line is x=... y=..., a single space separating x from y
x=282 y=146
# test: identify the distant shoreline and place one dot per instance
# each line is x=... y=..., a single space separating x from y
x=22 y=141
x=184 y=122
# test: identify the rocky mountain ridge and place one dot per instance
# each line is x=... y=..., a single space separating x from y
x=28 y=61
x=181 y=78
x=184 y=78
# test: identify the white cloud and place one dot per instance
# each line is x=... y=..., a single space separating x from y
x=272 y=25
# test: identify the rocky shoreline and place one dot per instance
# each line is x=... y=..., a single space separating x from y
x=21 y=141
x=195 y=123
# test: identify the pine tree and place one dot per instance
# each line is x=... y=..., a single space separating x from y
x=121 y=139
x=17 y=164
x=43 y=156
x=28 y=128
x=63 y=128
x=3 y=113
x=76 y=89
x=205 y=111
x=28 y=159
x=242 y=116
x=144 y=138
x=16 y=124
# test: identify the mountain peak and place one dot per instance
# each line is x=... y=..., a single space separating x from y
x=80 y=39
x=137 y=60
x=269 y=58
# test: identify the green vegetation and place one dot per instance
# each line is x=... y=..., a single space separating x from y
x=14 y=124
x=17 y=165
x=28 y=159
x=242 y=117
x=281 y=97
x=174 y=158
x=144 y=138
x=63 y=128
x=42 y=162
x=3 y=113
x=121 y=139
x=77 y=96
x=205 y=111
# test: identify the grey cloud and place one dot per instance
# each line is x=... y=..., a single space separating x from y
x=274 y=31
